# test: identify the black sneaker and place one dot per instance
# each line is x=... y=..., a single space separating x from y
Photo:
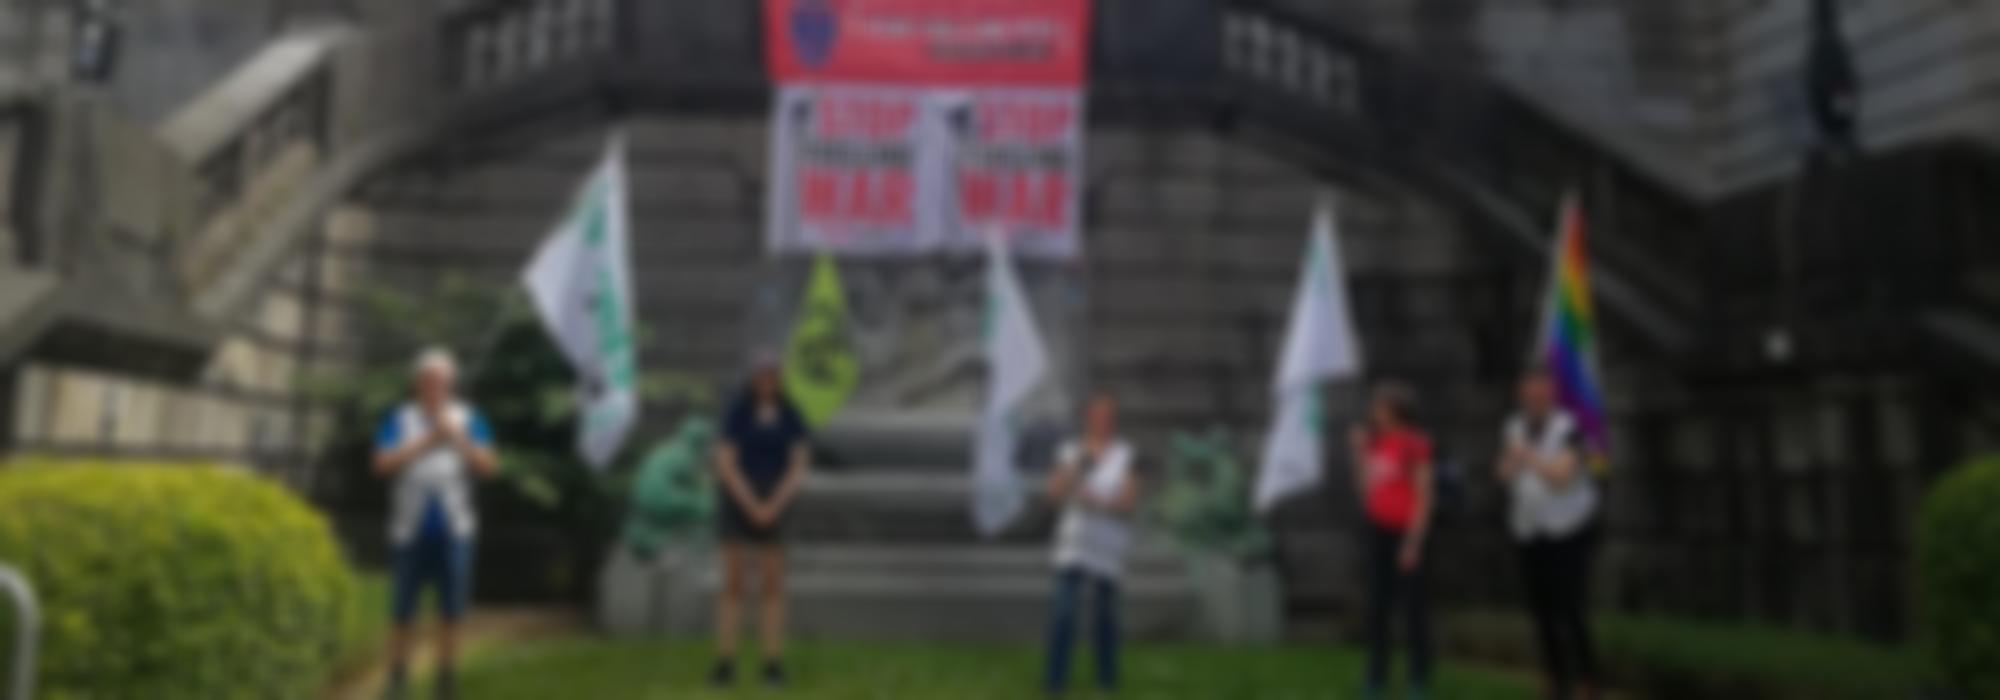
x=774 y=674
x=722 y=675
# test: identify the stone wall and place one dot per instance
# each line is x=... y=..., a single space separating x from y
x=1708 y=93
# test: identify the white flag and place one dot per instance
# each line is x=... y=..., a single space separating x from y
x=581 y=286
x=1319 y=345
x=1015 y=362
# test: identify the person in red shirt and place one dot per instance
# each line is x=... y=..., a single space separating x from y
x=1392 y=475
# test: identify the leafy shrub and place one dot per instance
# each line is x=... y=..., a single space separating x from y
x=520 y=381
x=1677 y=657
x=1751 y=660
x=1958 y=572
x=161 y=581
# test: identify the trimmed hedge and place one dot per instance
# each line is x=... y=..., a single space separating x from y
x=1958 y=576
x=177 y=581
x=1671 y=657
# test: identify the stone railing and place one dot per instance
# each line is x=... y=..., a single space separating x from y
x=1396 y=114
x=251 y=141
x=497 y=43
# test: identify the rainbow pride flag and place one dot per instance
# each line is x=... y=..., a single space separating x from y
x=1567 y=346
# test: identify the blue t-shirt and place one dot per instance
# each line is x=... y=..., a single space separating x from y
x=763 y=448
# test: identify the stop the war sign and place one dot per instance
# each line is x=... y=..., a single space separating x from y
x=915 y=126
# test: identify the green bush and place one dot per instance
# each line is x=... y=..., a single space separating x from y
x=1958 y=573
x=1675 y=657
x=161 y=581
x=1751 y=660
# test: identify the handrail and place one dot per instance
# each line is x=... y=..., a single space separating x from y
x=249 y=140
x=1478 y=144
x=27 y=624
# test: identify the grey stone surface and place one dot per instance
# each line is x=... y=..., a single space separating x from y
x=26 y=304
x=909 y=593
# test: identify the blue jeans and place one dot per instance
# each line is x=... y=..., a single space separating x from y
x=434 y=558
x=1062 y=627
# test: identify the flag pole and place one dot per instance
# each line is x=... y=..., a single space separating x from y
x=489 y=335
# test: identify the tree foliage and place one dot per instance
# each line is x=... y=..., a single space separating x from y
x=513 y=372
x=1958 y=572
x=177 y=581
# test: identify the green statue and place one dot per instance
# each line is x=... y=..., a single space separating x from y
x=673 y=495
x=1205 y=503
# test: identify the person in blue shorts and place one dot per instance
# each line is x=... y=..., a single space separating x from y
x=430 y=449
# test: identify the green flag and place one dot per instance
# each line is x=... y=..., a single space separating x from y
x=820 y=368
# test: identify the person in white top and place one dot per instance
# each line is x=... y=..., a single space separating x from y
x=1553 y=518
x=431 y=449
x=1096 y=484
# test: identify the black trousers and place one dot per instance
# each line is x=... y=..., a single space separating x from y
x=1557 y=571
x=1390 y=589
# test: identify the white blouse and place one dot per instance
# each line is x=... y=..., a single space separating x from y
x=1088 y=538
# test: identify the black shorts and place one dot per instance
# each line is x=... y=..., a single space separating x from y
x=737 y=526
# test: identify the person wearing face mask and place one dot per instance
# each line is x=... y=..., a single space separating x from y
x=431 y=448
x=1553 y=518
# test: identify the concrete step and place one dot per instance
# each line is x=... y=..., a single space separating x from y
x=1151 y=560
x=921 y=440
x=893 y=439
x=947 y=593
x=902 y=507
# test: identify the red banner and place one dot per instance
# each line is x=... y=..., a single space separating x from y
x=974 y=43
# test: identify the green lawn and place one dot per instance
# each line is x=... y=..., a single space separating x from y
x=367 y=627
x=590 y=668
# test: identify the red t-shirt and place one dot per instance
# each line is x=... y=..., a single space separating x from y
x=1390 y=475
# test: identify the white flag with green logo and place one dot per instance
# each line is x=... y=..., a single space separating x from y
x=581 y=286
x=1319 y=345
x=1015 y=363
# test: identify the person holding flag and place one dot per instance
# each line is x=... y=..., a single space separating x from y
x=1553 y=520
x=1553 y=449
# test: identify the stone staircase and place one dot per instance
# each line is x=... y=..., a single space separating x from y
x=883 y=548
x=1188 y=270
